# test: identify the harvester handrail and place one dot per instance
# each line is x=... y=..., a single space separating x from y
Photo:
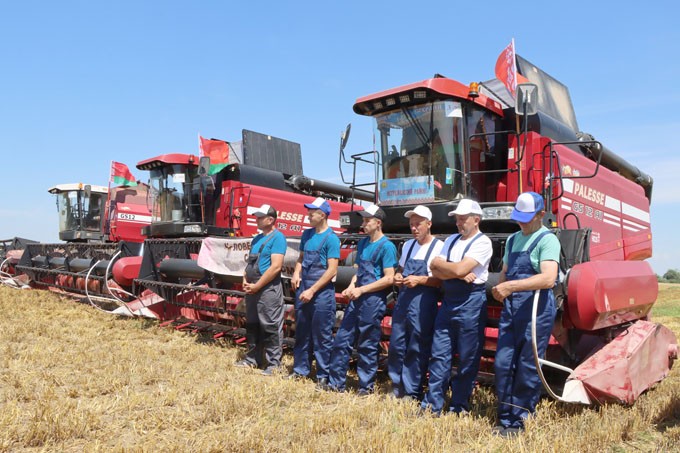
x=554 y=152
x=89 y=298
x=534 y=346
x=120 y=290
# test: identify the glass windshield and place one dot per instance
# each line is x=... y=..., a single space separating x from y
x=78 y=211
x=176 y=194
x=421 y=150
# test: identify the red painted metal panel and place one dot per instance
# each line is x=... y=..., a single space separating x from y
x=634 y=361
x=607 y=293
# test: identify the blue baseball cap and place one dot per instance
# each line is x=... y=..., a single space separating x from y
x=528 y=205
x=321 y=204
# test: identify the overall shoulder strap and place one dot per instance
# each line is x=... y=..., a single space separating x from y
x=448 y=252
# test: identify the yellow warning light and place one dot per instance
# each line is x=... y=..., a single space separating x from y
x=554 y=224
x=474 y=90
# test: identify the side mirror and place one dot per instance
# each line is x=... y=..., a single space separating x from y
x=204 y=166
x=527 y=99
x=88 y=190
x=345 y=136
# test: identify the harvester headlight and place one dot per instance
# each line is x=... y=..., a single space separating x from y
x=404 y=98
x=419 y=94
x=390 y=102
x=497 y=212
x=344 y=221
x=193 y=229
x=377 y=105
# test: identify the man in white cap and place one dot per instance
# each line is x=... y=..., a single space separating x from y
x=459 y=326
x=367 y=294
x=414 y=313
x=264 y=294
x=530 y=263
x=315 y=299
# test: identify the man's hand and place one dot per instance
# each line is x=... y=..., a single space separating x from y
x=398 y=279
x=414 y=280
x=306 y=296
x=352 y=292
x=295 y=281
x=501 y=291
x=436 y=262
x=470 y=278
x=250 y=288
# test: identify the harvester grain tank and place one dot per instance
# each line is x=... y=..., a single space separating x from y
x=439 y=141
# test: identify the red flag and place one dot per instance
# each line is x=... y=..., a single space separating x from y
x=121 y=175
x=506 y=68
x=217 y=151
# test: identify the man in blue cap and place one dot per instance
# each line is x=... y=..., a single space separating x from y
x=530 y=264
x=313 y=277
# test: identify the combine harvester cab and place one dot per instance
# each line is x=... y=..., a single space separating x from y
x=195 y=255
x=439 y=141
x=97 y=225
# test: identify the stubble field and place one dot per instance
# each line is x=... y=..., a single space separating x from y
x=75 y=379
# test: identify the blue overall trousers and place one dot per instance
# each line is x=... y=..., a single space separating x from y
x=517 y=383
x=314 y=320
x=264 y=316
x=458 y=329
x=363 y=317
x=412 y=324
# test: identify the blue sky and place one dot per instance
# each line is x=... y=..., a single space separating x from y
x=83 y=83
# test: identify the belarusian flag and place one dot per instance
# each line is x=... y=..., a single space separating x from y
x=217 y=151
x=120 y=175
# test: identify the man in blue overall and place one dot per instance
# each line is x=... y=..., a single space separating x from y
x=315 y=269
x=414 y=313
x=264 y=294
x=367 y=293
x=530 y=263
x=459 y=327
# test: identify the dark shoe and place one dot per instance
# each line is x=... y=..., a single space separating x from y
x=330 y=388
x=322 y=384
x=459 y=411
x=498 y=430
x=244 y=364
x=511 y=432
x=269 y=371
x=295 y=377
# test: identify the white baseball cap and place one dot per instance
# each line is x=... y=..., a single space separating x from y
x=420 y=210
x=265 y=210
x=466 y=207
x=372 y=211
x=321 y=204
x=528 y=205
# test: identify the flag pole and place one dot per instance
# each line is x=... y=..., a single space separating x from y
x=514 y=68
x=107 y=222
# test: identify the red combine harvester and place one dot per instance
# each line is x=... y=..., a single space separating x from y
x=439 y=140
x=97 y=224
x=191 y=269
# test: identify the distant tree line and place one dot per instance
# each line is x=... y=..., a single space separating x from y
x=671 y=276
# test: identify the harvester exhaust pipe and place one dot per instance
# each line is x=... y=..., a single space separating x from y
x=304 y=183
x=616 y=163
